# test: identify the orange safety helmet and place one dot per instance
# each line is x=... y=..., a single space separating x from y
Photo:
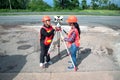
x=45 y=18
x=72 y=19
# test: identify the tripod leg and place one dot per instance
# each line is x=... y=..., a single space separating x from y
x=57 y=34
x=49 y=51
x=58 y=38
x=75 y=68
x=65 y=44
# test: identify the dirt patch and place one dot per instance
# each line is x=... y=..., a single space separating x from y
x=5 y=41
x=4 y=33
x=110 y=51
x=20 y=42
x=10 y=26
x=24 y=47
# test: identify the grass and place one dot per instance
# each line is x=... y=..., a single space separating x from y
x=61 y=12
x=102 y=12
x=13 y=10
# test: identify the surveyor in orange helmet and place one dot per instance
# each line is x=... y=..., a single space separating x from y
x=46 y=36
x=73 y=38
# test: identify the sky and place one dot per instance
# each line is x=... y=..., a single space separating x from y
x=50 y=2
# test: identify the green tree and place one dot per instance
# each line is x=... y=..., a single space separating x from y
x=66 y=4
x=61 y=4
x=56 y=4
x=113 y=6
x=19 y=4
x=94 y=4
x=103 y=2
x=84 y=4
x=4 y=4
x=74 y=4
x=10 y=4
x=13 y=4
x=38 y=5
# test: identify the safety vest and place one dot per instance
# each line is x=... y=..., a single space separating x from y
x=77 y=38
x=47 y=40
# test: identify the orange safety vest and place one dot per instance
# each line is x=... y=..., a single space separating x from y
x=47 y=40
x=77 y=38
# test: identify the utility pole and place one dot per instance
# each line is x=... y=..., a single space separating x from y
x=10 y=5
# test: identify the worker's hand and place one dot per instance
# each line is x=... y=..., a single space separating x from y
x=57 y=28
x=65 y=39
x=54 y=27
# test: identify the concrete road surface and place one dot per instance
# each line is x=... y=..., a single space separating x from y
x=109 y=21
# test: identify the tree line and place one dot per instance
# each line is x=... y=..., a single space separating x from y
x=40 y=5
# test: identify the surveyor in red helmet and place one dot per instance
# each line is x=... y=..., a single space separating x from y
x=46 y=36
x=73 y=38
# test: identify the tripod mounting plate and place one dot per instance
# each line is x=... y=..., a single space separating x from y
x=58 y=19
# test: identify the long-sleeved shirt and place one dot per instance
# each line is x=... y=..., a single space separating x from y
x=72 y=38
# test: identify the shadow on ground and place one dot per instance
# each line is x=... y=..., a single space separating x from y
x=82 y=54
x=58 y=57
x=11 y=64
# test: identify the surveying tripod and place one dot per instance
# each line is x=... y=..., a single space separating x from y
x=59 y=37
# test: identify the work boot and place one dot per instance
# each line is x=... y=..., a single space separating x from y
x=75 y=69
x=42 y=65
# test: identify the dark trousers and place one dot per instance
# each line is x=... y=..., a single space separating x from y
x=43 y=54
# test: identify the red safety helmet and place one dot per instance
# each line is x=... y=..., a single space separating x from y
x=72 y=19
x=45 y=18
